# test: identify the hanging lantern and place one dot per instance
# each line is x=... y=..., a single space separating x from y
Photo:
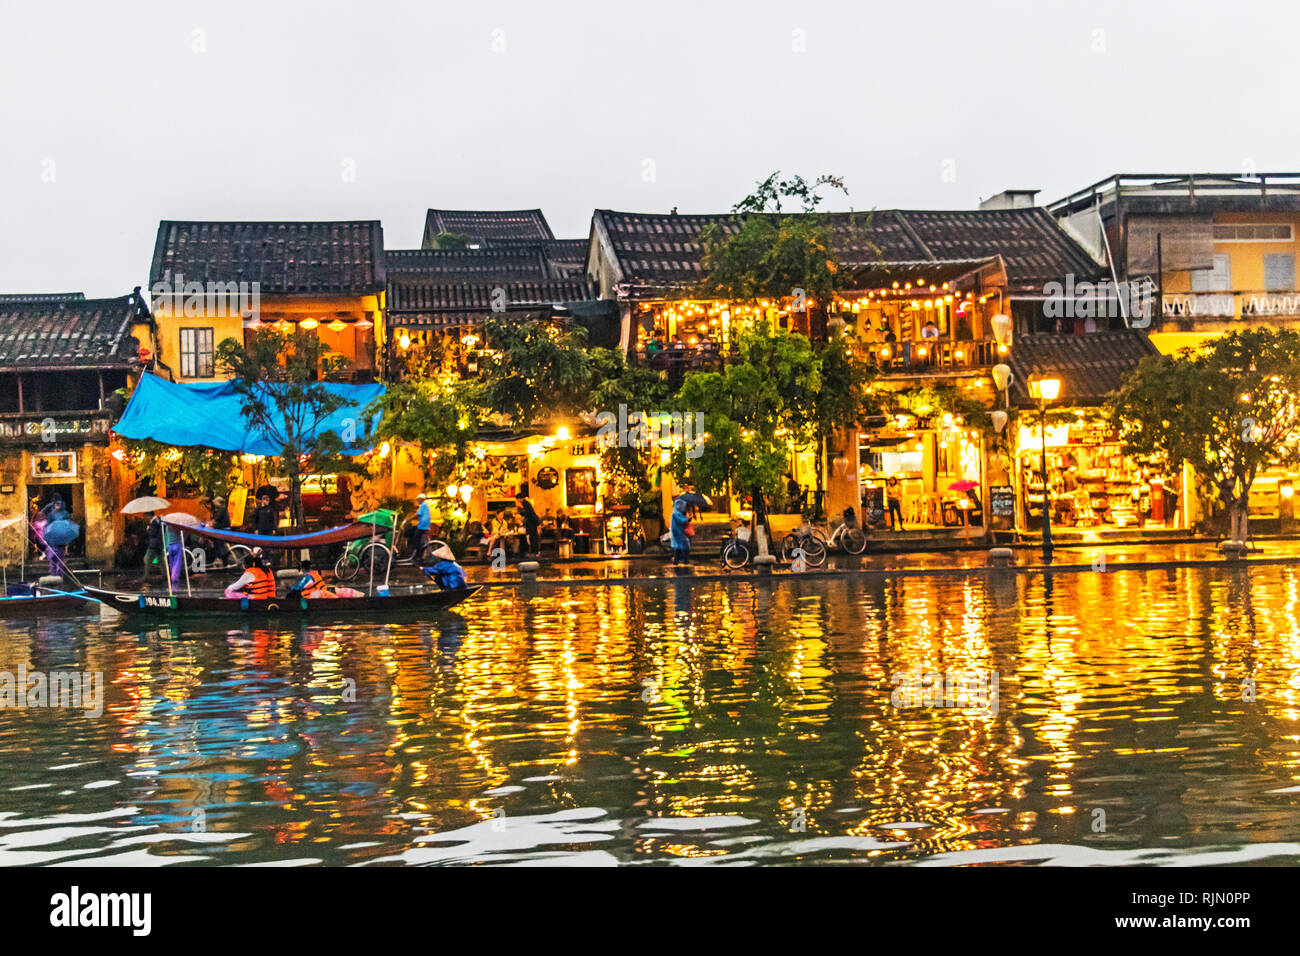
x=999 y=420
x=1001 y=328
x=309 y=323
x=337 y=326
x=1002 y=377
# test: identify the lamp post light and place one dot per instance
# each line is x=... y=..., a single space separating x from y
x=1045 y=390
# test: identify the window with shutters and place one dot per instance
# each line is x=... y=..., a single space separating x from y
x=1279 y=272
x=196 y=353
x=1218 y=279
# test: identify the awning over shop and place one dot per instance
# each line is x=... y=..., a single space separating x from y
x=210 y=416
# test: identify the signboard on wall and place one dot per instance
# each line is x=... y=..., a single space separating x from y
x=55 y=464
x=1002 y=501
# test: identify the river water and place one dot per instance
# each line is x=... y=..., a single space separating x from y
x=684 y=722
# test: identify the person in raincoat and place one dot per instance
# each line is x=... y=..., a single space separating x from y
x=681 y=531
x=58 y=533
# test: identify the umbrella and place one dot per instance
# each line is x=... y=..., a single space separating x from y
x=61 y=532
x=964 y=485
x=695 y=498
x=148 y=503
x=183 y=519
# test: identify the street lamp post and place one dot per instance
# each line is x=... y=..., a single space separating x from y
x=1045 y=390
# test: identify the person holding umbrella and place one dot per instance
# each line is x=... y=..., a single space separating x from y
x=59 y=532
x=681 y=532
x=155 y=535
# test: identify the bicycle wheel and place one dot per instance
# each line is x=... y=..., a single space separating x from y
x=238 y=552
x=347 y=566
x=380 y=553
x=788 y=544
x=853 y=540
x=735 y=555
x=814 y=550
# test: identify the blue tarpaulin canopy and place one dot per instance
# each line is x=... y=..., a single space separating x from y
x=211 y=416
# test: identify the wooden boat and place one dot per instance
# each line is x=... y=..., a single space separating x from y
x=42 y=602
x=162 y=606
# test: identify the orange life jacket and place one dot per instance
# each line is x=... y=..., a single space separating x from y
x=317 y=581
x=262 y=587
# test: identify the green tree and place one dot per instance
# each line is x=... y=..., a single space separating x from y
x=533 y=371
x=277 y=378
x=627 y=469
x=766 y=253
x=752 y=410
x=451 y=240
x=441 y=423
x=1227 y=408
x=212 y=471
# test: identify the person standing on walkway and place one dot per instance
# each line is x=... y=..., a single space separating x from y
x=423 y=522
x=532 y=522
x=680 y=531
x=893 y=492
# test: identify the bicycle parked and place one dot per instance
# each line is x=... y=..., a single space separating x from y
x=807 y=539
x=848 y=535
x=736 y=549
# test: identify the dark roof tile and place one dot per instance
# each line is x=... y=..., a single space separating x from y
x=286 y=258
x=1089 y=366
x=87 y=333
x=663 y=249
x=482 y=224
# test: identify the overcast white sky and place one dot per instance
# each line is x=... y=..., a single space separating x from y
x=117 y=115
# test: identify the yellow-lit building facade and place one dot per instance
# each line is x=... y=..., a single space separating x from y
x=1215 y=252
x=212 y=281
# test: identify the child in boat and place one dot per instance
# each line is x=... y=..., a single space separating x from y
x=312 y=583
x=256 y=582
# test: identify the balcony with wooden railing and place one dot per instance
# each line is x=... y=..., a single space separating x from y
x=939 y=357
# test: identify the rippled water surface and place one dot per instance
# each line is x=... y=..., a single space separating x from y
x=684 y=722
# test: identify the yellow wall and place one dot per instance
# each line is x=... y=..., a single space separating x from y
x=103 y=490
x=1245 y=259
x=273 y=308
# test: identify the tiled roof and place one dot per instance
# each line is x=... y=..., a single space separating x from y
x=656 y=249
x=23 y=298
x=1034 y=246
x=565 y=258
x=1089 y=366
x=523 y=262
x=415 y=301
x=85 y=333
x=481 y=224
x=323 y=258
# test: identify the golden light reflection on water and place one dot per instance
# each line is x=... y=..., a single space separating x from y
x=757 y=720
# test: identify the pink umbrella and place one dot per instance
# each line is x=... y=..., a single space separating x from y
x=964 y=485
